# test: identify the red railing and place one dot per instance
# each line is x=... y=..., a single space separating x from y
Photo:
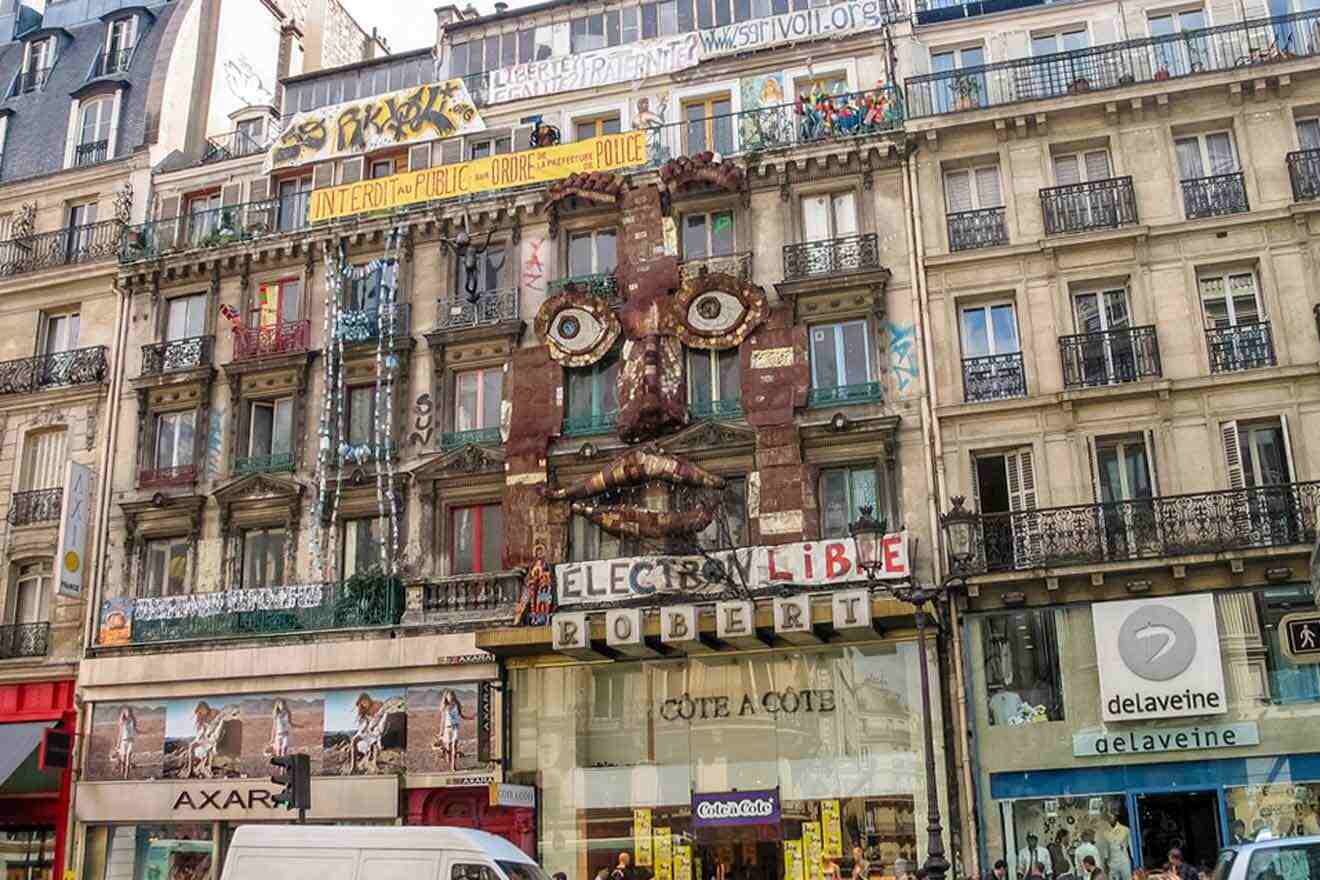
x=251 y=343
x=182 y=475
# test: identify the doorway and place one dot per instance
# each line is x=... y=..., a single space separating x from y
x=1187 y=820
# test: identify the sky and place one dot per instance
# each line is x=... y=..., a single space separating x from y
x=410 y=24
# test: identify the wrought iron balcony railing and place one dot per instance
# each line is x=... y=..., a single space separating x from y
x=1304 y=172
x=62 y=247
x=495 y=306
x=24 y=640
x=596 y=423
x=1096 y=204
x=112 y=62
x=82 y=366
x=716 y=409
x=455 y=439
x=1215 y=196
x=275 y=462
x=231 y=145
x=466 y=597
x=737 y=265
x=834 y=256
x=1111 y=357
x=864 y=392
x=969 y=230
x=997 y=377
x=935 y=11
x=602 y=284
x=215 y=228
x=91 y=153
x=271 y=340
x=1240 y=347
x=1149 y=528
x=1114 y=65
x=367 y=325
x=36 y=506
x=176 y=354
x=32 y=80
x=166 y=477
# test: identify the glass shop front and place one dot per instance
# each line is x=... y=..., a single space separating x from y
x=754 y=766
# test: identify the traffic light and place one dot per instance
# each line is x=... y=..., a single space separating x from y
x=56 y=749
x=296 y=780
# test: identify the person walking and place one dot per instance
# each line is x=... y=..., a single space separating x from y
x=623 y=870
x=999 y=872
x=1180 y=870
x=1058 y=848
x=1090 y=870
x=1032 y=853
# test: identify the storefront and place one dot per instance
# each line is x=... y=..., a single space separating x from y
x=1142 y=725
x=34 y=803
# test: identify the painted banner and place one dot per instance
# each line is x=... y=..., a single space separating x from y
x=821 y=23
x=727 y=808
x=642 y=837
x=73 y=530
x=793 y=860
x=542 y=165
x=395 y=119
x=682 y=862
x=810 y=563
x=588 y=70
x=811 y=853
x=831 y=829
x=664 y=855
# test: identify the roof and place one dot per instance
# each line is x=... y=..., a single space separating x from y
x=520 y=12
x=415 y=838
x=358 y=65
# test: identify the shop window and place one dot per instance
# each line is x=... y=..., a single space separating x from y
x=263 y=557
x=29 y=602
x=608 y=689
x=492 y=272
x=840 y=355
x=1270 y=812
x=29 y=853
x=476 y=539
x=714 y=382
x=708 y=235
x=166 y=567
x=148 y=852
x=175 y=435
x=1289 y=682
x=593 y=252
x=729 y=528
x=360 y=549
x=708 y=124
x=1022 y=677
x=843 y=493
x=1065 y=831
x=590 y=127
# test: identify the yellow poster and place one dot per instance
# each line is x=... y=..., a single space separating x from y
x=642 y=838
x=793 y=860
x=664 y=854
x=606 y=153
x=682 y=862
x=831 y=829
x=397 y=119
x=811 y=853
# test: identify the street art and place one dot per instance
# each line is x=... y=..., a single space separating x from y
x=424 y=423
x=903 y=353
x=587 y=70
x=652 y=116
x=533 y=269
x=773 y=124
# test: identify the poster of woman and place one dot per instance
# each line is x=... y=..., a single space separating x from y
x=443 y=721
x=366 y=732
x=127 y=741
x=282 y=724
x=203 y=740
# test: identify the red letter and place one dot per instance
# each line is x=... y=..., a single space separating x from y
x=775 y=573
x=807 y=565
x=836 y=564
x=890 y=547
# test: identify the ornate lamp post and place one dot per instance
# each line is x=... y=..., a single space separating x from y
x=958 y=526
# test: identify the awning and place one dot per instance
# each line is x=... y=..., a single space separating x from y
x=17 y=743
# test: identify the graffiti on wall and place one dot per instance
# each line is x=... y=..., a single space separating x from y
x=903 y=353
x=533 y=268
x=588 y=70
x=215 y=433
x=424 y=424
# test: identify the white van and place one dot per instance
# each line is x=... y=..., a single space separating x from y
x=321 y=852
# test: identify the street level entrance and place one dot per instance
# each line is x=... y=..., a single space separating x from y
x=1187 y=820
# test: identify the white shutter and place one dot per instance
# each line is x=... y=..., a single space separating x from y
x=1223 y=12
x=958 y=191
x=43 y=461
x=1287 y=448
x=1256 y=9
x=1150 y=463
x=1093 y=461
x=987 y=188
x=1067 y=171
x=1233 y=455
x=1097 y=165
x=1022 y=503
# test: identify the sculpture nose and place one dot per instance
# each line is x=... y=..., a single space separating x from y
x=651 y=389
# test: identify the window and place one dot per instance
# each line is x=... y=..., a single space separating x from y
x=271 y=433
x=1178 y=57
x=973 y=189
x=661 y=19
x=608 y=693
x=840 y=355
x=476 y=539
x=593 y=397
x=729 y=529
x=843 y=493
x=1003 y=488
x=592 y=252
x=175 y=439
x=44 y=456
x=364 y=289
x=709 y=124
x=279 y=302
x=1206 y=155
x=1124 y=485
x=31 y=596
x=588 y=541
x=963 y=91
x=989 y=330
x=708 y=235
x=1308 y=134
x=294 y=195
x=380 y=168
x=1230 y=299
x=587 y=34
x=263 y=558
x=203 y=213
x=1059 y=41
x=492 y=271
x=1289 y=682
x=494 y=146
x=119 y=44
x=1021 y=666
x=714 y=381
x=829 y=216
x=1168 y=23
x=82 y=219
x=250 y=135
x=585 y=129
x=471 y=872
x=361 y=402
x=40 y=59
x=631 y=24
x=1108 y=354
x=1259 y=454
x=60 y=332
x=1083 y=167
x=186 y=317
x=94 y=131
x=477 y=396
x=361 y=550
x=166 y=567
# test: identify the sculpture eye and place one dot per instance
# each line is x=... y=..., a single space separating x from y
x=718 y=310
x=579 y=328
x=715 y=312
x=575 y=330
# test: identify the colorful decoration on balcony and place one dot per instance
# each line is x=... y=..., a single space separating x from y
x=227 y=602
x=822 y=116
x=538 y=596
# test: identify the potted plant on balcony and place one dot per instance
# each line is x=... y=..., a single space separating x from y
x=968 y=92
x=1079 y=85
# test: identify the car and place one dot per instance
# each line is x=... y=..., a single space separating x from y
x=1286 y=858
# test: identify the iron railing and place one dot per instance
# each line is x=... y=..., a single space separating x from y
x=38 y=505
x=231 y=145
x=1240 y=347
x=1110 y=357
x=1114 y=65
x=602 y=284
x=112 y=62
x=969 y=230
x=1215 y=196
x=91 y=153
x=862 y=392
x=935 y=11
x=32 y=80
x=176 y=354
x=275 y=462
x=1149 y=528
x=997 y=377
x=159 y=478
x=833 y=256
x=494 y=306
x=595 y=423
x=365 y=325
x=738 y=265
x=217 y=227
x=455 y=439
x=63 y=247
x=24 y=640
x=716 y=409
x=254 y=343
x=1096 y=204
x=82 y=366
x=1304 y=172
x=466 y=595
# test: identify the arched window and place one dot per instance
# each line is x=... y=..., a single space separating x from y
x=94 y=131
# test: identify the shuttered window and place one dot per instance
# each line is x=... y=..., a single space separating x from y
x=1081 y=167
x=972 y=189
x=43 y=460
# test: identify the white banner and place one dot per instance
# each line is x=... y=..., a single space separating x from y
x=589 y=70
x=74 y=516
x=809 y=24
x=823 y=564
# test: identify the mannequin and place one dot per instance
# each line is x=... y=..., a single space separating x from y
x=1117 y=839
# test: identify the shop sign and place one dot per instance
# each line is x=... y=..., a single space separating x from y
x=1141 y=741
x=609 y=152
x=806 y=564
x=786 y=702
x=504 y=794
x=1159 y=658
x=201 y=800
x=735 y=808
x=73 y=530
x=397 y=119
x=1299 y=636
x=793 y=27
x=642 y=837
x=588 y=70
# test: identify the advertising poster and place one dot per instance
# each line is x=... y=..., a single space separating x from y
x=682 y=862
x=442 y=728
x=811 y=853
x=831 y=830
x=73 y=530
x=793 y=860
x=664 y=855
x=642 y=837
x=116 y=621
x=127 y=740
x=365 y=732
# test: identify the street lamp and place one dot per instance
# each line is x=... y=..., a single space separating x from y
x=959 y=528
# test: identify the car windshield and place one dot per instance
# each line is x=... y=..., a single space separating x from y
x=1225 y=864
x=1287 y=861
x=521 y=871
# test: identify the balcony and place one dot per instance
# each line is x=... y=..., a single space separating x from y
x=1304 y=172
x=91 y=153
x=361 y=602
x=366 y=452
x=585 y=426
x=274 y=463
x=231 y=145
x=113 y=62
x=1150 y=528
x=1114 y=65
x=24 y=640
x=737 y=265
x=216 y=228
x=30 y=81
x=174 y=355
x=82 y=366
x=38 y=506
x=481 y=436
x=1215 y=196
x=844 y=395
x=471 y=598
x=935 y=11
x=1082 y=207
x=969 y=230
x=494 y=307
x=168 y=477
x=1112 y=357
x=602 y=284
x=271 y=340
x=367 y=325
x=835 y=256
x=997 y=377
x=63 y=247
x=1240 y=347
x=704 y=410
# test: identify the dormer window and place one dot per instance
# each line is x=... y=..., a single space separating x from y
x=37 y=62
x=94 y=131
x=120 y=40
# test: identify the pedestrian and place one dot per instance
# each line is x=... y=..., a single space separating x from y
x=859 y=868
x=1181 y=870
x=1058 y=848
x=1089 y=869
x=999 y=872
x=623 y=870
x=1030 y=854
x=1086 y=848
x=1037 y=871
x=1238 y=832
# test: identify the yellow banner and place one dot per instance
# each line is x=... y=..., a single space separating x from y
x=606 y=153
x=811 y=849
x=793 y=860
x=642 y=838
x=664 y=855
x=831 y=828
x=682 y=862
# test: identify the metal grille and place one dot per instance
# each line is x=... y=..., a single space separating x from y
x=1215 y=196
x=40 y=505
x=82 y=366
x=1241 y=347
x=24 y=640
x=63 y=247
x=493 y=307
x=1097 y=204
x=1304 y=172
x=969 y=230
x=835 y=256
x=251 y=343
x=997 y=377
x=1110 y=357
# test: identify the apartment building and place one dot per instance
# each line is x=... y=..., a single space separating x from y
x=1116 y=203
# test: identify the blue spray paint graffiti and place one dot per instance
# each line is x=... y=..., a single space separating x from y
x=214 y=442
x=903 y=353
